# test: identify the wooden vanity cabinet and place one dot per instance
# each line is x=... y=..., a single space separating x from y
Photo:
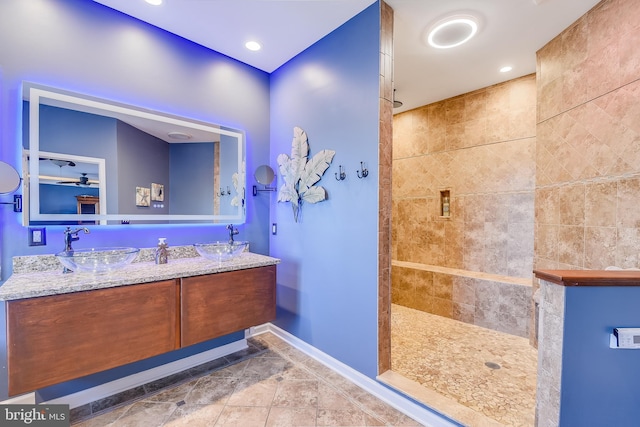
x=57 y=338
x=218 y=304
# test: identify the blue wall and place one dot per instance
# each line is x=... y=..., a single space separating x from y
x=327 y=281
x=61 y=199
x=600 y=385
x=142 y=159
x=85 y=47
x=196 y=163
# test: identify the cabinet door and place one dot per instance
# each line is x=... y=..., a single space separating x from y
x=219 y=304
x=61 y=337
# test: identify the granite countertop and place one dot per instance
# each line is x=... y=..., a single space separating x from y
x=38 y=276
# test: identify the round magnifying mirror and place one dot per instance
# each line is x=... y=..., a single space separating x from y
x=9 y=178
x=264 y=175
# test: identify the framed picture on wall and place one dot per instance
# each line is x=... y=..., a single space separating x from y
x=157 y=192
x=142 y=196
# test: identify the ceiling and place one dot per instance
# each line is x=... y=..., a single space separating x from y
x=510 y=33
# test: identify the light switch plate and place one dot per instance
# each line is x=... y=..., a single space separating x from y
x=37 y=236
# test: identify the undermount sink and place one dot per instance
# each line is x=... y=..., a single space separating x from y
x=97 y=260
x=221 y=251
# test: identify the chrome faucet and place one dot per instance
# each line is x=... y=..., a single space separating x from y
x=232 y=232
x=69 y=237
x=72 y=236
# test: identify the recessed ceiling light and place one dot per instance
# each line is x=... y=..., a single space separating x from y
x=506 y=69
x=179 y=135
x=253 y=45
x=154 y=2
x=452 y=31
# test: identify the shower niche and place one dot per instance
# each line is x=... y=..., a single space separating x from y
x=445 y=203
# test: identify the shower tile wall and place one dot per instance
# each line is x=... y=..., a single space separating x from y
x=588 y=153
x=481 y=147
x=384 y=191
x=499 y=306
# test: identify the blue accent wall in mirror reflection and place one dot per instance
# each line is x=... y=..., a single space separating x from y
x=196 y=163
x=62 y=198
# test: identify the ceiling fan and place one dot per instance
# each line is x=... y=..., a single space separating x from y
x=59 y=162
x=82 y=181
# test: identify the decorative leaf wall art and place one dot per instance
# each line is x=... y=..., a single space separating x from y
x=300 y=175
x=238 y=184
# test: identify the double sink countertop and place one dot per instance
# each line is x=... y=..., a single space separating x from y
x=41 y=275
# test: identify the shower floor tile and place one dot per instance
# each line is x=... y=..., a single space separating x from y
x=491 y=373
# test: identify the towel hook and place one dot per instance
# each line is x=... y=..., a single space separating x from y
x=342 y=175
x=364 y=171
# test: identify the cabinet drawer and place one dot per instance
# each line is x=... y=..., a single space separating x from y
x=61 y=337
x=222 y=303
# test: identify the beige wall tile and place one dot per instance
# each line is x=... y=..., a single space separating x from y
x=442 y=307
x=546 y=241
x=599 y=247
x=437 y=131
x=463 y=291
x=600 y=204
x=628 y=203
x=629 y=55
x=571 y=204
x=547 y=206
x=628 y=248
x=402 y=285
x=454 y=110
x=519 y=249
x=442 y=286
x=497 y=128
x=571 y=245
x=463 y=313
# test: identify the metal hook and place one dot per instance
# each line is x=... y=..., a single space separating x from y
x=364 y=170
x=221 y=193
x=342 y=175
x=228 y=190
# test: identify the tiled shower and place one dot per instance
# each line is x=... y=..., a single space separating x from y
x=474 y=264
x=577 y=171
x=463 y=192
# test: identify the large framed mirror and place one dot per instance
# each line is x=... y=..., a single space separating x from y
x=96 y=161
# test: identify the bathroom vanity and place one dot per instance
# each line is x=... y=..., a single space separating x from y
x=65 y=326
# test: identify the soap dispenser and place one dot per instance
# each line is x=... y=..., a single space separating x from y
x=162 y=252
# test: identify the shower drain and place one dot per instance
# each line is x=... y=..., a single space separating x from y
x=492 y=365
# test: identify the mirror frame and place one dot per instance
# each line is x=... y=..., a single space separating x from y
x=34 y=93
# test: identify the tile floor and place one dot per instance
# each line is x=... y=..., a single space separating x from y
x=276 y=386
x=448 y=357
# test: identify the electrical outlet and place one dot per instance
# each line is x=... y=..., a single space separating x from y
x=37 y=236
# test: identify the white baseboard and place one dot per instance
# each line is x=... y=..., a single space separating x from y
x=402 y=404
x=23 y=399
x=257 y=330
x=108 y=389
